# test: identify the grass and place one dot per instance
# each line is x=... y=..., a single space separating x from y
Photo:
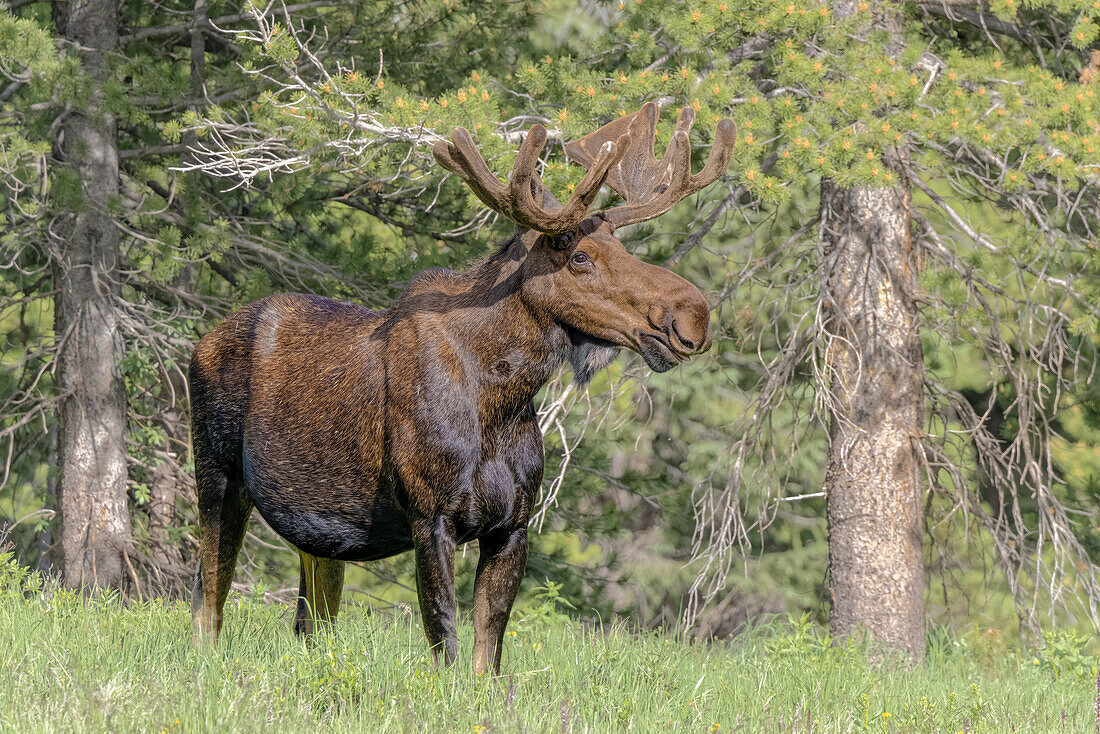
x=107 y=664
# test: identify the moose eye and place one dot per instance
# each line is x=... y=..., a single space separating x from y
x=579 y=258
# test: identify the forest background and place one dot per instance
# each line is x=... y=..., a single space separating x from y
x=261 y=149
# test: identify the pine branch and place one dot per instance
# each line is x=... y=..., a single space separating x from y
x=152 y=150
x=13 y=5
x=171 y=30
x=955 y=12
x=726 y=204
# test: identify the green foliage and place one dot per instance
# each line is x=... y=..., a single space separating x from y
x=103 y=664
x=1063 y=654
x=548 y=608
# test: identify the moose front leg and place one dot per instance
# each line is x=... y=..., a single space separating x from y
x=434 y=542
x=499 y=572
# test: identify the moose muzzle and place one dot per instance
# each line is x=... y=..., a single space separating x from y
x=680 y=325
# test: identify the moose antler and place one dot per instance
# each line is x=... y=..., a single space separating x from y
x=651 y=187
x=524 y=198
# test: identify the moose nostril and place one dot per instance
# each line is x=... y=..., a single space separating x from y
x=680 y=335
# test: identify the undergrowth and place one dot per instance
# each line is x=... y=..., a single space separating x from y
x=113 y=665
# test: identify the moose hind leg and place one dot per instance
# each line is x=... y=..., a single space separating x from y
x=322 y=581
x=224 y=507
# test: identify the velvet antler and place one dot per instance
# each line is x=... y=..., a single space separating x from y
x=650 y=187
x=524 y=198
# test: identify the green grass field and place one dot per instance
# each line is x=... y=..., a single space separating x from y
x=74 y=665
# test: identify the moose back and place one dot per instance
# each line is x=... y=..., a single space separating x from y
x=360 y=434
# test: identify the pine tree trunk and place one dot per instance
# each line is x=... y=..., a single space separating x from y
x=876 y=372
x=875 y=366
x=95 y=524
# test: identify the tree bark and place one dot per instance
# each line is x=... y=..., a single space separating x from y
x=95 y=523
x=875 y=367
x=876 y=372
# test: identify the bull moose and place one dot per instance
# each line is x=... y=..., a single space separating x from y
x=360 y=434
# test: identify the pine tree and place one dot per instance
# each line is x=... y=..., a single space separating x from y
x=95 y=522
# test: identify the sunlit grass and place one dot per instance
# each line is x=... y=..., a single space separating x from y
x=68 y=664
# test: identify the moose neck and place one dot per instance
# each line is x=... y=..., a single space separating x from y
x=516 y=347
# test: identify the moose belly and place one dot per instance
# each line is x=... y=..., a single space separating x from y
x=339 y=536
x=327 y=515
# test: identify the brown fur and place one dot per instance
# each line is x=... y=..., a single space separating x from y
x=360 y=434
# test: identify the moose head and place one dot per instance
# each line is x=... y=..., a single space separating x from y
x=576 y=270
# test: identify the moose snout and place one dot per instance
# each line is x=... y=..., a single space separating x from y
x=686 y=323
x=690 y=323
